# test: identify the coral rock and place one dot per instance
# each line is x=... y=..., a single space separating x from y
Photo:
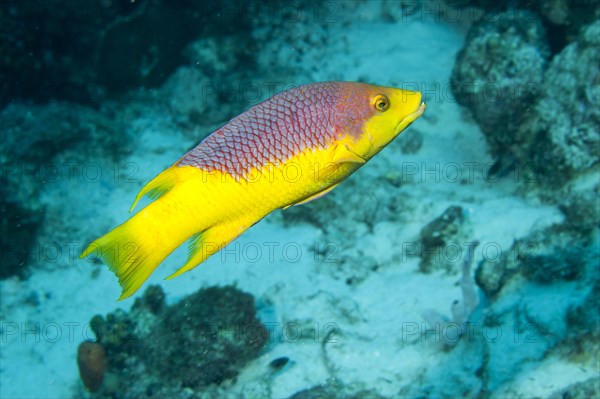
x=442 y=241
x=499 y=72
x=563 y=131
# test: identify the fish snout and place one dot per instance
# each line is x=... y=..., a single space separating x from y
x=417 y=109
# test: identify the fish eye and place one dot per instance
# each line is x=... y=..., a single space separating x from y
x=381 y=103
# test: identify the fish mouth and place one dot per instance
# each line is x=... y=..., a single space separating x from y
x=410 y=118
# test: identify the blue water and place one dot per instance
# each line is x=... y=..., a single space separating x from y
x=461 y=261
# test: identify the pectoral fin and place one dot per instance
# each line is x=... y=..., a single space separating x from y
x=342 y=153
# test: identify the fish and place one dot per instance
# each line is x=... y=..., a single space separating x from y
x=292 y=148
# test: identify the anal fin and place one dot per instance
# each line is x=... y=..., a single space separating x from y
x=202 y=245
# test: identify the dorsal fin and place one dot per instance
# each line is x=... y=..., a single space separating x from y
x=159 y=186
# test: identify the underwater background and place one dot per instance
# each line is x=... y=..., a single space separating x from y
x=462 y=261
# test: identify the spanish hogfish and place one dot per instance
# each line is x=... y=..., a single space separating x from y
x=287 y=150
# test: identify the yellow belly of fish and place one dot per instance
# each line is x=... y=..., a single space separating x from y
x=210 y=209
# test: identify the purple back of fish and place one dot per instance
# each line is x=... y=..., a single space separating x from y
x=309 y=116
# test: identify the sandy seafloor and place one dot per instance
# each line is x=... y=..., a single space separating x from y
x=372 y=347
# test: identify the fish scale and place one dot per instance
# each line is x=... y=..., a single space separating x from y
x=266 y=123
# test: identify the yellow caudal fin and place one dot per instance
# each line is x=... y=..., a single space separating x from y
x=203 y=245
x=159 y=186
x=126 y=252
